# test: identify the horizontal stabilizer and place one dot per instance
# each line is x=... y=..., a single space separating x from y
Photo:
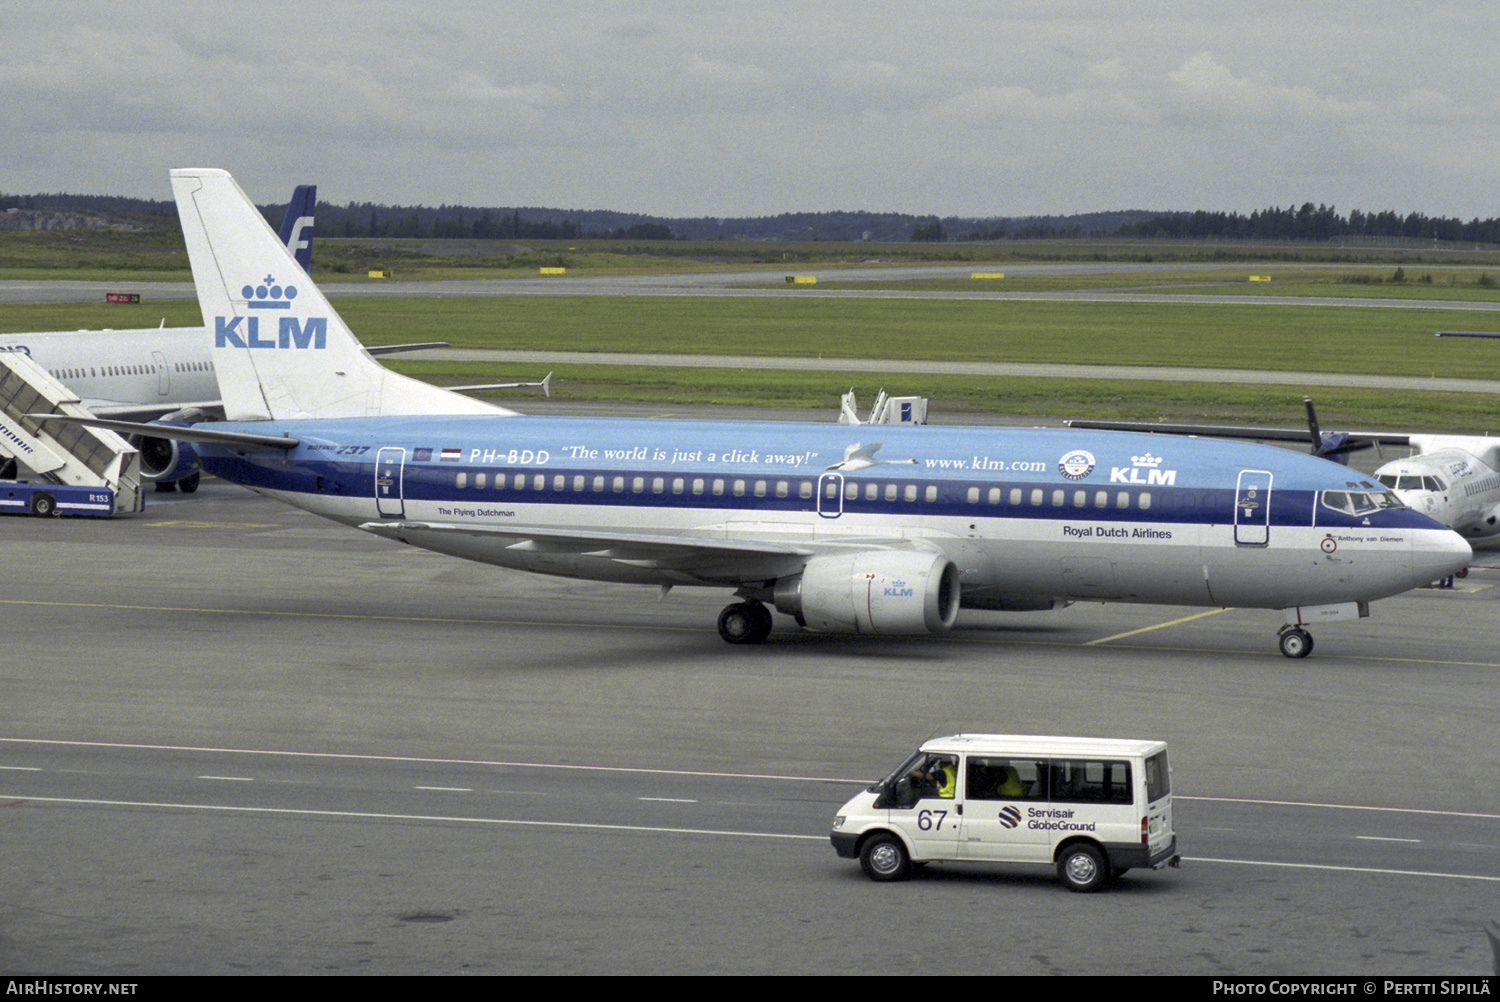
x=180 y=433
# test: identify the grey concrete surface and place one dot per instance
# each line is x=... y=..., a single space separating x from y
x=211 y=714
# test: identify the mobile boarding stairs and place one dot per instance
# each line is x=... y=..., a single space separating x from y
x=56 y=466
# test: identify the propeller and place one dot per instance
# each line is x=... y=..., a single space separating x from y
x=1335 y=445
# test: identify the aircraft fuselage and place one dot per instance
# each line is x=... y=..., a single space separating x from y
x=1024 y=513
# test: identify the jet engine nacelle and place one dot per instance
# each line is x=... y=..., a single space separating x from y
x=879 y=591
x=163 y=460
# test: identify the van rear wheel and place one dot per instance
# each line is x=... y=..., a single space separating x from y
x=1081 y=867
x=884 y=858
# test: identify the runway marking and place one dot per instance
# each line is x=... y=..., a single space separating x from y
x=350 y=756
x=181 y=523
x=1033 y=642
x=660 y=628
x=1378 y=838
x=364 y=617
x=21 y=768
x=1345 y=869
x=446 y=789
x=447 y=819
x=1158 y=626
x=703 y=773
x=230 y=779
x=1332 y=807
x=665 y=800
x=654 y=830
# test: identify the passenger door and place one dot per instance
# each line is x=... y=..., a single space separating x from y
x=390 y=463
x=1252 y=509
x=1000 y=796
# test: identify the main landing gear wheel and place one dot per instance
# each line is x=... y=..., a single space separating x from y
x=1296 y=642
x=745 y=623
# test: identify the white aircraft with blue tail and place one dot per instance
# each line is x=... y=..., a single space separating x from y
x=841 y=533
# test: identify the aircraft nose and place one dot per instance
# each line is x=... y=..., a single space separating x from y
x=1437 y=554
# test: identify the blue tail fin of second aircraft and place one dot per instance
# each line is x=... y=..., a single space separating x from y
x=297 y=225
x=280 y=350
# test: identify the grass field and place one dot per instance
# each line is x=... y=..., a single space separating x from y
x=1276 y=338
x=1320 y=336
x=1323 y=338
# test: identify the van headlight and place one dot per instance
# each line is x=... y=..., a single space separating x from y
x=838 y=821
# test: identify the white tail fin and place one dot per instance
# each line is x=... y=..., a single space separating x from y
x=280 y=350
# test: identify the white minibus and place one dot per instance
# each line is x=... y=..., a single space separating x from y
x=1091 y=807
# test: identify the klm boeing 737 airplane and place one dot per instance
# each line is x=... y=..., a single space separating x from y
x=841 y=533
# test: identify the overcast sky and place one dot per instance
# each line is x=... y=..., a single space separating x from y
x=699 y=108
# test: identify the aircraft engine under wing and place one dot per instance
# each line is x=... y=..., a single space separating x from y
x=873 y=591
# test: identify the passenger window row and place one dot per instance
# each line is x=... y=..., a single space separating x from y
x=745 y=487
x=1085 y=781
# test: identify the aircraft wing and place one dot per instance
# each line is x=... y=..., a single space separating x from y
x=1251 y=432
x=696 y=558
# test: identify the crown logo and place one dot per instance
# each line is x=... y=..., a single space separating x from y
x=1147 y=460
x=268 y=295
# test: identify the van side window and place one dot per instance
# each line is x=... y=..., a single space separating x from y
x=1158 y=777
x=1006 y=779
x=1091 y=782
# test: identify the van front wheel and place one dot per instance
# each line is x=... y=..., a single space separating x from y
x=1081 y=867
x=884 y=858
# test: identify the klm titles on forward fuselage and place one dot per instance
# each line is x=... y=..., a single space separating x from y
x=1145 y=472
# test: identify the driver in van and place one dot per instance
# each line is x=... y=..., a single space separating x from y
x=938 y=777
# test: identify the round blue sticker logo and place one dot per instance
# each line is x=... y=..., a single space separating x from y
x=1076 y=465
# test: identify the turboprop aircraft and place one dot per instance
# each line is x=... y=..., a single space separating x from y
x=845 y=529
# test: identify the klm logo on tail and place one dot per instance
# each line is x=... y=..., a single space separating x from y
x=245 y=332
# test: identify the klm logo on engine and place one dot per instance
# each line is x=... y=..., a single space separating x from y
x=1145 y=470
x=290 y=332
x=898 y=589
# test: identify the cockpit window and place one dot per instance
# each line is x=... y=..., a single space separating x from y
x=1412 y=482
x=1361 y=502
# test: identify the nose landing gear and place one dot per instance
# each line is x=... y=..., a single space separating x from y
x=1295 y=642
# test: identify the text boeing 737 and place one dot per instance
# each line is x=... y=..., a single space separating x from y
x=841 y=533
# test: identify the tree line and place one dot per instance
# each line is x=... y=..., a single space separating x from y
x=1320 y=223
x=1307 y=222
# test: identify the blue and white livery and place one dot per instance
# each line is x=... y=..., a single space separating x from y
x=841 y=533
